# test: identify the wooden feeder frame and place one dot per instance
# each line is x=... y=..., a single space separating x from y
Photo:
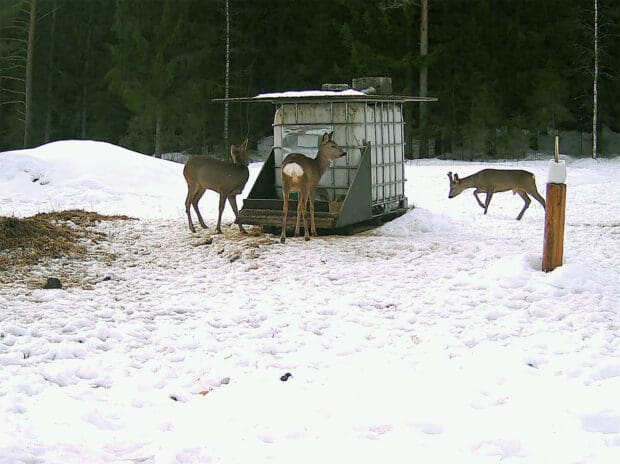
x=263 y=205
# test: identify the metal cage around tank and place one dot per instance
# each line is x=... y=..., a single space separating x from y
x=368 y=185
x=298 y=127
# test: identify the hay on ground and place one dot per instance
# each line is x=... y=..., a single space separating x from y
x=62 y=234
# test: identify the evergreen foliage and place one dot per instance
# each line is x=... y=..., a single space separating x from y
x=143 y=73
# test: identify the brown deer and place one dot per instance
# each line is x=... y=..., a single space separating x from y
x=490 y=181
x=228 y=179
x=302 y=174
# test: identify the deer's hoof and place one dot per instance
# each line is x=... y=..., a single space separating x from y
x=306 y=238
x=282 y=239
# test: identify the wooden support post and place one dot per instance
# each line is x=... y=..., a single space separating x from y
x=554 y=227
x=555 y=212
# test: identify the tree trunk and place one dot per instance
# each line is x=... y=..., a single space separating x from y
x=227 y=83
x=409 y=19
x=50 y=73
x=29 y=62
x=595 y=85
x=423 y=76
x=158 y=131
x=85 y=80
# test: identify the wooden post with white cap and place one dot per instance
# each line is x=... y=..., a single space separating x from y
x=555 y=212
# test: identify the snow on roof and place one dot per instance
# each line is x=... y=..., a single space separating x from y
x=311 y=93
x=324 y=95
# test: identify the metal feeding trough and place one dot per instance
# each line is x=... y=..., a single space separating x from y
x=366 y=186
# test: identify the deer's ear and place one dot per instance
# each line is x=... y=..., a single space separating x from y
x=325 y=138
x=456 y=178
x=245 y=144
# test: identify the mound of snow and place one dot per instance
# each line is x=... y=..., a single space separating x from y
x=89 y=175
x=96 y=176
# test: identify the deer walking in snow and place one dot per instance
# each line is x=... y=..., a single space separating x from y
x=490 y=181
x=302 y=174
x=225 y=178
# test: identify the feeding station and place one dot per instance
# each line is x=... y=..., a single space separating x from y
x=365 y=186
x=555 y=212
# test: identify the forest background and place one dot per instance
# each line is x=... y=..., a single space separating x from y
x=508 y=74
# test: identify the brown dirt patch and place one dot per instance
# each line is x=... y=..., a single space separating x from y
x=29 y=241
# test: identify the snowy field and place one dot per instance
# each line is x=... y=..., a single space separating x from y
x=433 y=339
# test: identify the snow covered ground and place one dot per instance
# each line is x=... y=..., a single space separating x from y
x=435 y=338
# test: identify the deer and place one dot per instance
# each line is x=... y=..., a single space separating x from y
x=490 y=181
x=302 y=174
x=226 y=178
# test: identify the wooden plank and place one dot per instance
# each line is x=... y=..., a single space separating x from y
x=277 y=204
x=269 y=217
x=555 y=213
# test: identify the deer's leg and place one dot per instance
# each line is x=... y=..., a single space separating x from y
x=476 y=192
x=188 y=202
x=311 y=199
x=218 y=228
x=304 y=210
x=195 y=201
x=232 y=199
x=527 y=201
x=191 y=192
x=540 y=199
x=487 y=201
x=301 y=213
x=285 y=193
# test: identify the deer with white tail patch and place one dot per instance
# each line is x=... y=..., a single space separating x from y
x=490 y=181
x=302 y=174
x=227 y=179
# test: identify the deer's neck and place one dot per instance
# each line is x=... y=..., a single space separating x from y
x=469 y=181
x=323 y=162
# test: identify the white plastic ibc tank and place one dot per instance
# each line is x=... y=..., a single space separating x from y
x=387 y=151
x=298 y=127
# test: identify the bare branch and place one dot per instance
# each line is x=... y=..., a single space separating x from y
x=13 y=57
x=17 y=92
x=49 y=13
x=12 y=102
x=15 y=39
x=8 y=68
x=12 y=78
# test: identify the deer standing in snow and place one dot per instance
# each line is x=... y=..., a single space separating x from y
x=302 y=174
x=490 y=181
x=225 y=178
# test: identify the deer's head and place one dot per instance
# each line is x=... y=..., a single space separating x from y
x=238 y=153
x=330 y=149
x=455 y=185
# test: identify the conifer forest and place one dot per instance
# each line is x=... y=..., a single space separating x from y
x=143 y=73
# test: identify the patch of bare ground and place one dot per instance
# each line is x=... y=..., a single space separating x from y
x=234 y=245
x=56 y=240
